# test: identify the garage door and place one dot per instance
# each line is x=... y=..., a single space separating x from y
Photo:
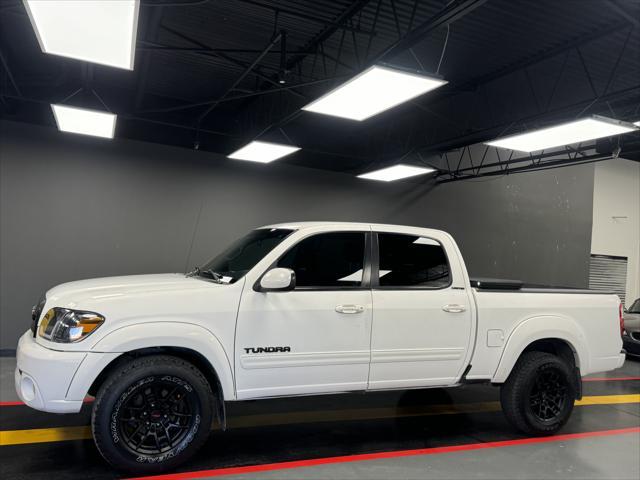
x=608 y=273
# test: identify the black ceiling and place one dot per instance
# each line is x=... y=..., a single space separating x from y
x=203 y=74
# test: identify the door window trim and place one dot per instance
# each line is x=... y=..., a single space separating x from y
x=375 y=264
x=366 y=265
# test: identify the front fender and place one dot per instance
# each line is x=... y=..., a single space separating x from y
x=150 y=335
x=540 y=328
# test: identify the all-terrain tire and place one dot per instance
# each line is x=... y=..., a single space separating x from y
x=164 y=399
x=527 y=405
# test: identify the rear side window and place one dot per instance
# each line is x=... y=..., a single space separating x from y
x=327 y=260
x=411 y=261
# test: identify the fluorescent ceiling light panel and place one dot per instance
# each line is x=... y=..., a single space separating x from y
x=564 y=134
x=98 y=31
x=373 y=91
x=396 y=173
x=85 y=122
x=263 y=152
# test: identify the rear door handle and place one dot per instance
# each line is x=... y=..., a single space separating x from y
x=349 y=309
x=454 y=308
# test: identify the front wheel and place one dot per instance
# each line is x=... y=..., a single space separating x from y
x=152 y=414
x=538 y=396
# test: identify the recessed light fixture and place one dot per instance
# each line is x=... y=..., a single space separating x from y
x=373 y=91
x=263 y=152
x=568 y=133
x=98 y=31
x=85 y=122
x=396 y=172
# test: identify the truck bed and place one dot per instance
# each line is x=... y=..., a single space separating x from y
x=504 y=307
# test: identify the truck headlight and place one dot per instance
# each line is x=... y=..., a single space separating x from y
x=64 y=325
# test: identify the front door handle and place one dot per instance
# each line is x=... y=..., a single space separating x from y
x=454 y=308
x=349 y=309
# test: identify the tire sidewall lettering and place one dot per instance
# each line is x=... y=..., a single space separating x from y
x=113 y=424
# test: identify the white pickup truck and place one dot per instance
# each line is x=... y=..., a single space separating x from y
x=299 y=309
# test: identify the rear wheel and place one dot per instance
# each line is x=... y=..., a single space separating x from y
x=152 y=414
x=538 y=396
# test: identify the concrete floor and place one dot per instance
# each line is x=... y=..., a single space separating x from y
x=286 y=430
x=575 y=459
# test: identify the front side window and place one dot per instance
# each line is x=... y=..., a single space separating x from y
x=242 y=255
x=327 y=260
x=635 y=307
x=412 y=261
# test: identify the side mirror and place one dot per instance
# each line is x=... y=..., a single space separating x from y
x=278 y=280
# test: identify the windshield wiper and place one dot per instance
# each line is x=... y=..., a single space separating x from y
x=198 y=272
x=214 y=275
x=194 y=273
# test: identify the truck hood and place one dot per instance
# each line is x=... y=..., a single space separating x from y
x=73 y=293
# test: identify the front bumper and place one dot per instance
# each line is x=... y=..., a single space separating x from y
x=43 y=376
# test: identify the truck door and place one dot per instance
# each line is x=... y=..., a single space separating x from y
x=315 y=338
x=422 y=316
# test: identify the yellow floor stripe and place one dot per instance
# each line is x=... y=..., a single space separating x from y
x=609 y=399
x=59 y=434
x=44 y=435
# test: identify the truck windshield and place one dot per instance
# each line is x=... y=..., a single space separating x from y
x=241 y=256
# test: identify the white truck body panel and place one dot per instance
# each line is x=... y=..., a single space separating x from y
x=336 y=339
x=523 y=317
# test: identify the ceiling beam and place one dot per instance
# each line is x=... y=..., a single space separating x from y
x=635 y=21
x=157 y=47
x=240 y=96
x=490 y=132
x=278 y=38
x=330 y=23
x=153 y=27
x=539 y=57
x=453 y=11
x=227 y=58
x=9 y=73
x=565 y=162
x=327 y=32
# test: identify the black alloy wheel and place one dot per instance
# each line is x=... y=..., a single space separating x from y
x=156 y=416
x=548 y=395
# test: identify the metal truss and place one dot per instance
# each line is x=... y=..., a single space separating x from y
x=427 y=130
x=332 y=66
x=485 y=161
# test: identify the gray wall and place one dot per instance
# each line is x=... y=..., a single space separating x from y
x=74 y=207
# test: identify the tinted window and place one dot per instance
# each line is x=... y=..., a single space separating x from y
x=327 y=260
x=243 y=254
x=409 y=261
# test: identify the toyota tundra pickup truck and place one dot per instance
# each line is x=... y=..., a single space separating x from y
x=300 y=309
